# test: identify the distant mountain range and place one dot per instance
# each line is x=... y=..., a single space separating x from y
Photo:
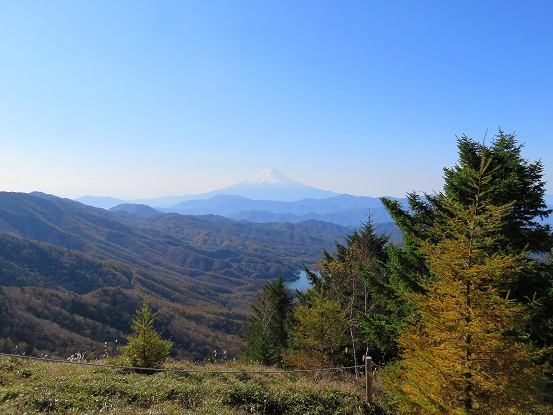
x=269 y=196
x=344 y=210
x=269 y=184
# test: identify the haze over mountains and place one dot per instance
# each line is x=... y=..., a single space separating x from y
x=268 y=184
x=269 y=196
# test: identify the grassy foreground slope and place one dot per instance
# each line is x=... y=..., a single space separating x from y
x=40 y=387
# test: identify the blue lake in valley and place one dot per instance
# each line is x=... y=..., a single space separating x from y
x=301 y=284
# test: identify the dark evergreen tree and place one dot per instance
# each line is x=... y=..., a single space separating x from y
x=515 y=181
x=350 y=277
x=268 y=328
x=462 y=354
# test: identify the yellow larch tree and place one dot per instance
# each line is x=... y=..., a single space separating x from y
x=462 y=353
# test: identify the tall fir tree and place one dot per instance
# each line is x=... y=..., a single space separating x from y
x=268 y=327
x=462 y=354
x=515 y=181
x=349 y=278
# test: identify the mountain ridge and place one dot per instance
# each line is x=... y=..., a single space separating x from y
x=269 y=185
x=344 y=210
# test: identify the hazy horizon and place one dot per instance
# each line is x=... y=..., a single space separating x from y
x=246 y=180
x=138 y=100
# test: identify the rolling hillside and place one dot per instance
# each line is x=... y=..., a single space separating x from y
x=73 y=275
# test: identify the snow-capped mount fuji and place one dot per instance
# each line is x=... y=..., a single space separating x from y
x=270 y=184
x=271 y=176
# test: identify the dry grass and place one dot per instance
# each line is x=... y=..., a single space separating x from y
x=40 y=387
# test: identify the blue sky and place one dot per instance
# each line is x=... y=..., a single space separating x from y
x=137 y=99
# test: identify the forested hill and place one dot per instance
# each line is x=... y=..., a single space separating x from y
x=191 y=246
x=80 y=272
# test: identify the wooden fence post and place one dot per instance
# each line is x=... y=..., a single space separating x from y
x=369 y=379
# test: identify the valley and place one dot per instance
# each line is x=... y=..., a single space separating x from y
x=73 y=275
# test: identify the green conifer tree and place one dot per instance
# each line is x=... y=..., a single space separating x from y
x=320 y=335
x=268 y=327
x=145 y=348
x=517 y=182
x=461 y=353
x=350 y=277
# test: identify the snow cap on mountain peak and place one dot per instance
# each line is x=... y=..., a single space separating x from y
x=269 y=176
x=270 y=184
